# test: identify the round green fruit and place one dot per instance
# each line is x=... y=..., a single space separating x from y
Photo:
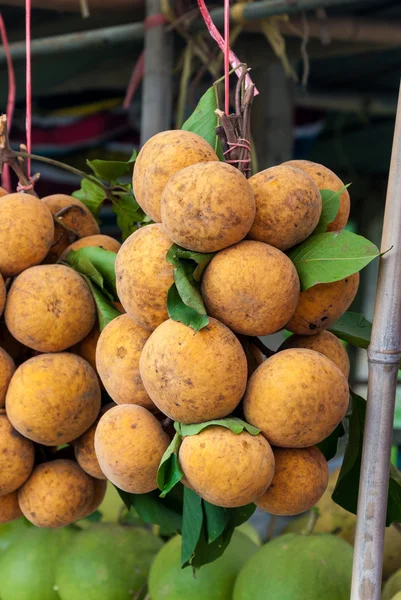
x=297 y=567
x=392 y=586
x=11 y=532
x=106 y=562
x=167 y=581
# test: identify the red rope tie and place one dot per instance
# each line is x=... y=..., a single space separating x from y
x=26 y=188
x=6 y=179
x=227 y=56
x=28 y=83
x=154 y=21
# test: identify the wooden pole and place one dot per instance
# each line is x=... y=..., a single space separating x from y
x=384 y=355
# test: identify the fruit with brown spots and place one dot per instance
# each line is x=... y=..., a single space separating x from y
x=117 y=359
x=86 y=348
x=56 y=494
x=162 y=156
x=207 y=207
x=26 y=233
x=251 y=287
x=50 y=308
x=76 y=216
x=321 y=305
x=288 y=206
x=3 y=192
x=2 y=294
x=194 y=377
x=326 y=343
x=296 y=398
x=325 y=179
x=9 y=507
x=99 y=492
x=144 y=276
x=7 y=368
x=53 y=398
x=17 y=456
x=99 y=241
x=129 y=444
x=84 y=448
x=225 y=468
x=300 y=480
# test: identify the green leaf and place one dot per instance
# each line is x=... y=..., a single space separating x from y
x=332 y=256
x=170 y=472
x=92 y=195
x=203 y=120
x=216 y=519
x=111 y=170
x=353 y=328
x=187 y=288
x=236 y=425
x=95 y=517
x=201 y=259
x=329 y=446
x=192 y=521
x=129 y=213
x=105 y=310
x=178 y=311
x=98 y=264
x=330 y=206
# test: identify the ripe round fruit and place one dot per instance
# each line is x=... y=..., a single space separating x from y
x=7 y=368
x=117 y=360
x=300 y=480
x=9 y=507
x=86 y=348
x=49 y=308
x=106 y=562
x=296 y=398
x=17 y=455
x=392 y=587
x=53 y=398
x=84 y=448
x=326 y=180
x=99 y=492
x=76 y=217
x=144 y=276
x=129 y=444
x=194 y=377
x=225 y=468
x=294 y=566
x=288 y=206
x=319 y=306
x=251 y=287
x=207 y=207
x=56 y=494
x=100 y=241
x=2 y=295
x=162 y=156
x=168 y=581
x=326 y=343
x=26 y=233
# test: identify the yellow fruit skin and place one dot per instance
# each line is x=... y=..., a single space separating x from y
x=288 y=206
x=9 y=507
x=7 y=368
x=144 y=276
x=79 y=219
x=162 y=156
x=56 y=494
x=100 y=241
x=26 y=233
x=2 y=295
x=322 y=304
x=53 y=398
x=129 y=444
x=324 y=342
x=84 y=448
x=225 y=468
x=99 y=492
x=296 y=398
x=49 y=308
x=117 y=358
x=207 y=207
x=251 y=287
x=17 y=455
x=191 y=377
x=326 y=180
x=86 y=348
x=300 y=479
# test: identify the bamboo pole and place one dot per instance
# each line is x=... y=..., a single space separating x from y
x=384 y=355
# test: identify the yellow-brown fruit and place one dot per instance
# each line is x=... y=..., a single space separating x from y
x=53 y=398
x=17 y=455
x=207 y=207
x=251 y=287
x=7 y=368
x=296 y=398
x=13 y=347
x=117 y=360
x=194 y=377
x=49 y=308
x=9 y=507
x=99 y=492
x=26 y=233
x=2 y=295
x=225 y=468
x=326 y=343
x=56 y=494
x=288 y=206
x=327 y=180
x=77 y=217
x=129 y=444
x=3 y=192
x=162 y=156
x=84 y=448
x=99 y=241
x=144 y=276
x=319 y=306
x=86 y=348
x=300 y=480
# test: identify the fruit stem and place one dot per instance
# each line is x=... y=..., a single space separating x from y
x=310 y=525
x=8 y=156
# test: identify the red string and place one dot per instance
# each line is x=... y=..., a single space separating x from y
x=227 y=56
x=6 y=180
x=28 y=82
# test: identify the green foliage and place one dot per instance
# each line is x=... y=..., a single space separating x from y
x=236 y=425
x=353 y=328
x=129 y=213
x=329 y=446
x=106 y=312
x=112 y=170
x=204 y=120
x=330 y=206
x=92 y=195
